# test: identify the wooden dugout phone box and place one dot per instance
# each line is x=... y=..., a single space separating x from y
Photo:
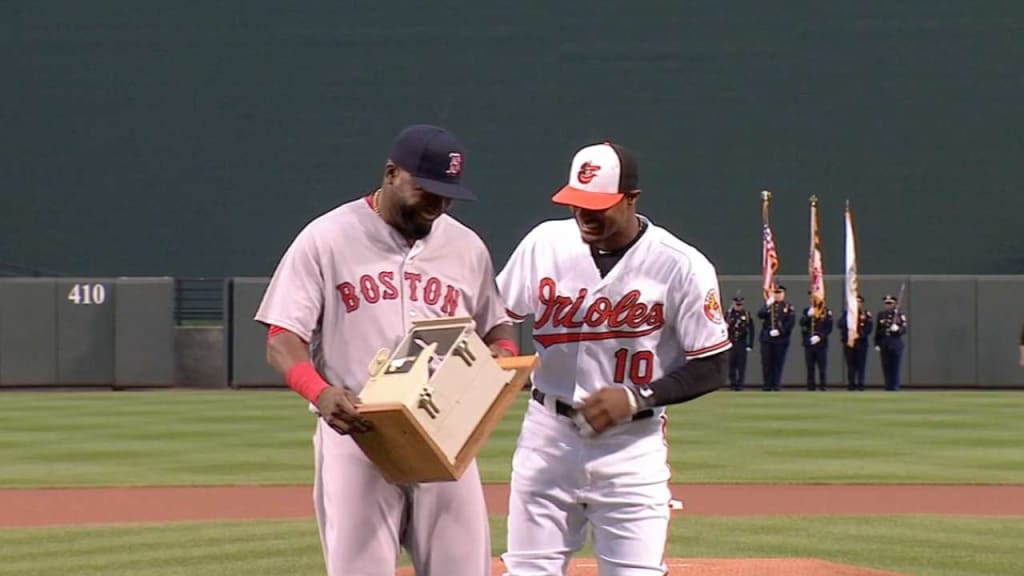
x=435 y=400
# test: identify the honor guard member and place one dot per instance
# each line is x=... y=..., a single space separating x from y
x=816 y=325
x=741 y=334
x=778 y=321
x=892 y=326
x=856 y=355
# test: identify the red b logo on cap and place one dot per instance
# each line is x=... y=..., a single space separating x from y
x=587 y=172
x=454 y=164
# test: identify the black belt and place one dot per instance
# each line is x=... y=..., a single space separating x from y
x=563 y=409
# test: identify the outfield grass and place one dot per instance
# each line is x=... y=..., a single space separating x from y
x=263 y=437
x=934 y=546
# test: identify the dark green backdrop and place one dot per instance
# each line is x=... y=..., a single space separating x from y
x=162 y=138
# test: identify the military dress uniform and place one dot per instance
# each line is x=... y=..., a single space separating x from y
x=741 y=334
x=816 y=331
x=778 y=321
x=892 y=326
x=856 y=355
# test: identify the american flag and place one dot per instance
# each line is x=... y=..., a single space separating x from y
x=769 y=262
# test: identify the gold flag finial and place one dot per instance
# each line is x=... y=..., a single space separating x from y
x=814 y=200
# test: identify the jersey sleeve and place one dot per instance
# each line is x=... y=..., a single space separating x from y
x=294 y=298
x=700 y=325
x=514 y=281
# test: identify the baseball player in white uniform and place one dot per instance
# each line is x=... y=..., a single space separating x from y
x=351 y=283
x=627 y=320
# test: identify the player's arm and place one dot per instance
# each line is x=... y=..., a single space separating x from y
x=491 y=312
x=288 y=354
x=515 y=281
x=701 y=329
x=502 y=340
x=690 y=381
x=291 y=309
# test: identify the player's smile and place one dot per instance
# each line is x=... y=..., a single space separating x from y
x=591 y=223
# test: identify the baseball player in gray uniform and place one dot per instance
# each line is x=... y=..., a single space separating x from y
x=351 y=283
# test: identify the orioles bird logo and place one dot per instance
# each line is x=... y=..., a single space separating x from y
x=587 y=172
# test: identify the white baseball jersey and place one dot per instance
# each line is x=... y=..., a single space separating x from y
x=350 y=284
x=658 y=305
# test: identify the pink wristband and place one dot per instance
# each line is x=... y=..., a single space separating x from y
x=304 y=379
x=506 y=344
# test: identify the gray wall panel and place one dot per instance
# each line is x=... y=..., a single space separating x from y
x=144 y=331
x=28 y=332
x=943 y=334
x=85 y=331
x=247 y=348
x=1000 y=306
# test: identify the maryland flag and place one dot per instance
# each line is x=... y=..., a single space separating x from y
x=814 y=265
x=852 y=306
x=769 y=255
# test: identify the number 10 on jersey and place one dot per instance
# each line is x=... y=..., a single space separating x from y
x=640 y=364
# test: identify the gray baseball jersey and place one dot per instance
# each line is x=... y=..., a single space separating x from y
x=349 y=285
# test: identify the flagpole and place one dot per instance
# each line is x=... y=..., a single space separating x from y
x=810 y=261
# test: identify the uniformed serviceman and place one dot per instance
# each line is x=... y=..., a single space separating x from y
x=892 y=326
x=816 y=325
x=741 y=334
x=777 y=326
x=856 y=355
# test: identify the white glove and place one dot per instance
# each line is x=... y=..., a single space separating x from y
x=774 y=332
x=815 y=339
x=749 y=349
x=894 y=328
x=810 y=312
x=879 y=348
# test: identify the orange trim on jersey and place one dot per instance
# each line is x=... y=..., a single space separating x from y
x=708 y=349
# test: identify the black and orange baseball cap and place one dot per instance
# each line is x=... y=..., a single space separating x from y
x=434 y=157
x=599 y=177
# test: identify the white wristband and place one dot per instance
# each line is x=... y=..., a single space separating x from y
x=631 y=394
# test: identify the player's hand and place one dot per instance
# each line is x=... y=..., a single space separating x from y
x=774 y=332
x=337 y=407
x=894 y=328
x=815 y=339
x=606 y=408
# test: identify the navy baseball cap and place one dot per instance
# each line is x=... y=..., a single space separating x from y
x=434 y=157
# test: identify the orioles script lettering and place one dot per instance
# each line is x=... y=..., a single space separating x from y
x=602 y=319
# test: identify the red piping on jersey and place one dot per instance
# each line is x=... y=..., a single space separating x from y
x=546 y=340
x=515 y=316
x=277 y=331
x=705 y=350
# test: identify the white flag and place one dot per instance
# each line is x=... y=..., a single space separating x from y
x=852 y=306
